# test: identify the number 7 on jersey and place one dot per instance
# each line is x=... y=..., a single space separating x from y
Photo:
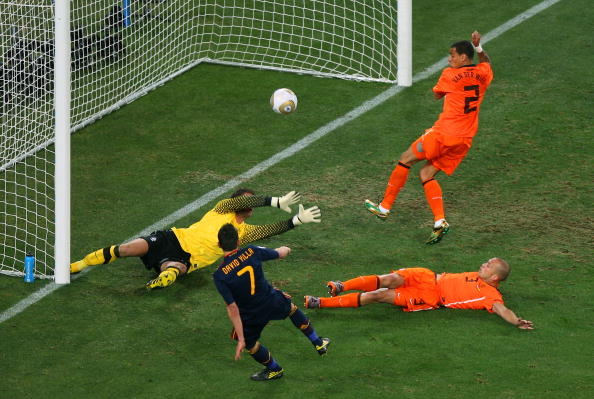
x=250 y=270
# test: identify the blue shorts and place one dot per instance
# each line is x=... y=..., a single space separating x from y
x=278 y=307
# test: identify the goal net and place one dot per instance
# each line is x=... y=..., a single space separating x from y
x=26 y=161
x=346 y=39
x=121 y=49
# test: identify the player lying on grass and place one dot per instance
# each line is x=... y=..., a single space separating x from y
x=418 y=288
x=252 y=302
x=444 y=146
x=179 y=251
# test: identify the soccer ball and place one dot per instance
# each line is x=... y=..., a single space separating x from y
x=283 y=101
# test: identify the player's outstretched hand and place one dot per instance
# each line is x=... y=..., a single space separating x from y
x=525 y=324
x=308 y=215
x=283 y=251
x=284 y=202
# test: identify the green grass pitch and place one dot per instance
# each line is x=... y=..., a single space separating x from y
x=524 y=193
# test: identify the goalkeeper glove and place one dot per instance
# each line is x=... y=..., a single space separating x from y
x=286 y=201
x=308 y=215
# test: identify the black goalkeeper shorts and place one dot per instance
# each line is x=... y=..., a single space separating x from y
x=163 y=247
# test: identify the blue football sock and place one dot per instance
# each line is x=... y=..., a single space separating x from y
x=263 y=356
x=302 y=323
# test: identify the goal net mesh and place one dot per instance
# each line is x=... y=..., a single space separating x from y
x=26 y=112
x=346 y=39
x=120 y=50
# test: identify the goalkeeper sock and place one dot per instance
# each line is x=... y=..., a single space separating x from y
x=351 y=300
x=98 y=257
x=434 y=198
x=301 y=321
x=396 y=182
x=102 y=256
x=362 y=283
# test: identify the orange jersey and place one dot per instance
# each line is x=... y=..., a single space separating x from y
x=464 y=89
x=467 y=291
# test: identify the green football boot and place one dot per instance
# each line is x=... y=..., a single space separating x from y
x=374 y=208
x=438 y=233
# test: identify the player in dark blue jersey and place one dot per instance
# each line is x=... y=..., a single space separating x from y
x=252 y=302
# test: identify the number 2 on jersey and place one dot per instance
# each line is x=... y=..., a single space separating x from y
x=467 y=106
x=250 y=270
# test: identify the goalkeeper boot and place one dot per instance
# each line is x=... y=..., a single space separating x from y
x=267 y=375
x=335 y=287
x=438 y=233
x=312 y=302
x=322 y=349
x=374 y=208
x=165 y=279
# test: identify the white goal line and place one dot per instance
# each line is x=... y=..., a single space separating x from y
x=287 y=152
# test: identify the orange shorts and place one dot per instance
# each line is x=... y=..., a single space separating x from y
x=444 y=152
x=419 y=291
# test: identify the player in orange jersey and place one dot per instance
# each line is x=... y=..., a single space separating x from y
x=444 y=146
x=418 y=288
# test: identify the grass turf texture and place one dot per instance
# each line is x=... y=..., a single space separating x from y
x=523 y=193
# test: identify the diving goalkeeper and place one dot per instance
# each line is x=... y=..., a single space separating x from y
x=178 y=251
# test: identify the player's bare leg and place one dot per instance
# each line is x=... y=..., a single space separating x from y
x=391 y=280
x=383 y=295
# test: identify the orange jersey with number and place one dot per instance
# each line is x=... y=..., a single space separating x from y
x=464 y=90
x=467 y=291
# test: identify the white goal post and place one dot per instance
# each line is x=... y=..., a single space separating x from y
x=62 y=97
x=66 y=63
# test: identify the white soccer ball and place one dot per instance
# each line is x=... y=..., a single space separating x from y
x=283 y=101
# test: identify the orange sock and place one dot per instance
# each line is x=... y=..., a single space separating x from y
x=396 y=182
x=343 y=301
x=362 y=283
x=434 y=198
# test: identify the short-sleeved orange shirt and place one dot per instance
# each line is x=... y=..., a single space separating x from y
x=467 y=291
x=464 y=90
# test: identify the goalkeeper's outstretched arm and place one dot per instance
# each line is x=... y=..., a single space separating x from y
x=243 y=202
x=255 y=233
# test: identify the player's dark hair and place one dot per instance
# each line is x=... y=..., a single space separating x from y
x=243 y=191
x=228 y=237
x=464 y=47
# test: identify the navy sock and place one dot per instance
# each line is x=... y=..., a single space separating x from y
x=273 y=365
x=263 y=356
x=302 y=323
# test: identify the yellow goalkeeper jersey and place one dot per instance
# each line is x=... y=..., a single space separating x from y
x=201 y=241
